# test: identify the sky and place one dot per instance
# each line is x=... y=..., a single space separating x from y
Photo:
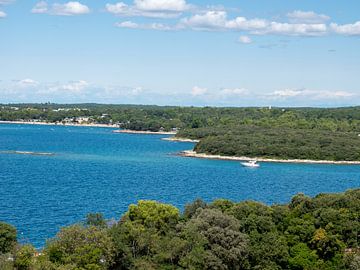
x=181 y=52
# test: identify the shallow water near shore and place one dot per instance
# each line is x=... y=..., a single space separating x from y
x=96 y=170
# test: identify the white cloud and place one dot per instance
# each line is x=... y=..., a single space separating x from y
x=346 y=29
x=137 y=91
x=118 y=8
x=289 y=29
x=40 y=7
x=198 y=91
x=73 y=87
x=5 y=2
x=245 y=40
x=162 y=5
x=27 y=83
x=128 y=24
x=210 y=20
x=76 y=86
x=217 y=21
x=67 y=9
x=148 y=8
x=234 y=92
x=151 y=26
x=244 y=24
x=310 y=94
x=287 y=93
x=311 y=17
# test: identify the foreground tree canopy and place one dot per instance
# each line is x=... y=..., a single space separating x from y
x=284 y=133
x=308 y=233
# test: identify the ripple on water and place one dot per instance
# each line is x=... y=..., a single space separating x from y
x=95 y=170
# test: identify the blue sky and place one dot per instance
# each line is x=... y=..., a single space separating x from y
x=177 y=52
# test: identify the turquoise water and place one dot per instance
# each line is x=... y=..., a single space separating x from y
x=95 y=170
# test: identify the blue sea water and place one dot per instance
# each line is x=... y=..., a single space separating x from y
x=96 y=170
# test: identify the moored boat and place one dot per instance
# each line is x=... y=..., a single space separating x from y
x=251 y=164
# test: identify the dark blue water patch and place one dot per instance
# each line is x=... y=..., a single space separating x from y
x=96 y=170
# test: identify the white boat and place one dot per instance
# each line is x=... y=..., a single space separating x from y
x=250 y=163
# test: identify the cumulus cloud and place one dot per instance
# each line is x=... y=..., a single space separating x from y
x=66 y=9
x=310 y=94
x=162 y=5
x=234 y=92
x=128 y=24
x=296 y=23
x=210 y=20
x=152 y=26
x=4 y=2
x=40 y=7
x=244 y=24
x=198 y=91
x=74 y=86
x=245 y=40
x=346 y=29
x=149 y=8
x=27 y=83
x=217 y=21
x=288 y=29
x=298 y=16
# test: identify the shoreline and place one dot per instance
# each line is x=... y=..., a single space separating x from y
x=193 y=154
x=177 y=139
x=128 y=131
x=58 y=124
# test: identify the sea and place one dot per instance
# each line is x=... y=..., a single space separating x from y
x=52 y=176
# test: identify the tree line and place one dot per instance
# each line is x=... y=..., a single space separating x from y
x=283 y=133
x=319 y=233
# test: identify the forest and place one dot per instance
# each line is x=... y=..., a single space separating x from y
x=311 y=233
x=279 y=133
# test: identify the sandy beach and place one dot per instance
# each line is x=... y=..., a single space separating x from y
x=144 y=132
x=190 y=153
x=58 y=124
x=177 y=139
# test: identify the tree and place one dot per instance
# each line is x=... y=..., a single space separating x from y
x=326 y=245
x=302 y=257
x=96 y=219
x=147 y=229
x=151 y=214
x=24 y=257
x=84 y=247
x=7 y=237
x=215 y=237
x=190 y=209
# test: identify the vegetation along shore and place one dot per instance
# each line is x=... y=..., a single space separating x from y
x=307 y=134
x=319 y=233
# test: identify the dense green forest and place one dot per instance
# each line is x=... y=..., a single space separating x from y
x=283 y=133
x=308 y=233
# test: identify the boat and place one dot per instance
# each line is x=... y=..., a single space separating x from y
x=251 y=164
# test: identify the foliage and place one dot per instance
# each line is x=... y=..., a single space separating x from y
x=319 y=233
x=96 y=219
x=282 y=133
x=24 y=257
x=7 y=238
x=84 y=247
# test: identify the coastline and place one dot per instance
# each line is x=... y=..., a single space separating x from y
x=128 y=131
x=193 y=154
x=58 y=124
x=177 y=139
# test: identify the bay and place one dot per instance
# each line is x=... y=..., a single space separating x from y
x=96 y=170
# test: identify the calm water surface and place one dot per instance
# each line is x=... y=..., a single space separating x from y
x=95 y=170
